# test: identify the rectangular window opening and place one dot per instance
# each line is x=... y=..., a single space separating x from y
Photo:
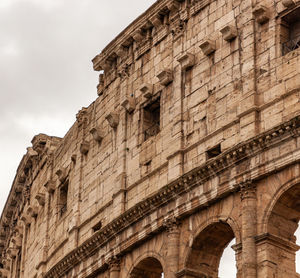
x=63 y=197
x=151 y=119
x=213 y=152
x=290 y=31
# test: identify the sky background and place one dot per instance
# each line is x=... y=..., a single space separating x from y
x=46 y=74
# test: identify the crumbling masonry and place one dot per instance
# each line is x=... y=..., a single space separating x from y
x=194 y=140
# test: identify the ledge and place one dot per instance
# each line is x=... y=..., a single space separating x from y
x=170 y=191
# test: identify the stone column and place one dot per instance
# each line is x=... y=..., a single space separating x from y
x=114 y=267
x=249 y=222
x=172 y=260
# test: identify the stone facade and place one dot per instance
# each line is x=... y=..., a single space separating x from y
x=194 y=140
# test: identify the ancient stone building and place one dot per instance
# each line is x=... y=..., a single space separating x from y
x=194 y=140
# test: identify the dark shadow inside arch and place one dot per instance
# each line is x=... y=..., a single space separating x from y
x=282 y=226
x=207 y=250
x=148 y=268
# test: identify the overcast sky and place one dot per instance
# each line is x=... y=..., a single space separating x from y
x=46 y=74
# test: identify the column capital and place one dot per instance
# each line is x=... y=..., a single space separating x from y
x=114 y=263
x=247 y=189
x=171 y=224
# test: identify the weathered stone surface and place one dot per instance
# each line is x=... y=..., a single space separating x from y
x=185 y=149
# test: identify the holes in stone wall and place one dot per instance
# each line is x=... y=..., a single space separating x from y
x=213 y=152
x=290 y=31
x=63 y=197
x=151 y=119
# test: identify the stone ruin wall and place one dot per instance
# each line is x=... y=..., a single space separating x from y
x=217 y=68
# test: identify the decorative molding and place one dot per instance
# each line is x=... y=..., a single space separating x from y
x=247 y=189
x=261 y=14
x=171 y=225
x=278 y=241
x=169 y=192
x=208 y=47
x=114 y=263
x=165 y=77
x=97 y=133
x=229 y=32
x=113 y=119
x=173 y=6
x=138 y=35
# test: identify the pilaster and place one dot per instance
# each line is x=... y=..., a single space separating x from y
x=249 y=222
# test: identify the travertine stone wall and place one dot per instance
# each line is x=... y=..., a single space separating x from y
x=223 y=158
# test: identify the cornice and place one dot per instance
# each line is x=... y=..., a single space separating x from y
x=133 y=32
x=171 y=191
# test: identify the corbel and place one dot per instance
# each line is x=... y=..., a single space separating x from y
x=261 y=14
x=229 y=32
x=121 y=51
x=156 y=20
x=12 y=252
x=208 y=47
x=31 y=152
x=18 y=188
x=186 y=60
x=288 y=3
x=17 y=241
x=19 y=230
x=4 y=273
x=165 y=77
x=50 y=186
x=129 y=104
x=147 y=90
x=32 y=211
x=105 y=65
x=97 y=134
x=62 y=174
x=113 y=119
x=173 y=6
x=84 y=147
x=138 y=35
x=40 y=197
x=100 y=86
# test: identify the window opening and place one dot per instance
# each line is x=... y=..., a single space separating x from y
x=290 y=31
x=151 y=119
x=63 y=197
x=213 y=152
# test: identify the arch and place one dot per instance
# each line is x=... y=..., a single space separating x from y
x=279 y=192
x=281 y=221
x=209 y=241
x=148 y=265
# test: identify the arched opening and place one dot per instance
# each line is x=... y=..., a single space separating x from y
x=227 y=266
x=148 y=268
x=282 y=226
x=207 y=249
